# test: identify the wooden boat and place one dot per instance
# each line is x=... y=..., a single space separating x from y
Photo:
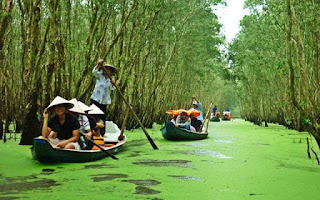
x=215 y=119
x=171 y=132
x=43 y=151
x=226 y=118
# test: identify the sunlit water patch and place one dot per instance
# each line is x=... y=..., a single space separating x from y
x=224 y=141
x=208 y=153
x=196 y=144
x=159 y=163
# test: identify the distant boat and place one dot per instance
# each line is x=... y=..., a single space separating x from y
x=215 y=119
x=171 y=132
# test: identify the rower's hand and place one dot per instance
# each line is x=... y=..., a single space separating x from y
x=62 y=144
x=88 y=135
x=100 y=62
x=46 y=113
x=113 y=81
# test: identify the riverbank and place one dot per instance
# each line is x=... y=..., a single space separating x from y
x=238 y=161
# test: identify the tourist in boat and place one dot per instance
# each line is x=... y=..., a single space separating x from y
x=96 y=136
x=104 y=84
x=62 y=129
x=182 y=120
x=198 y=106
x=85 y=130
x=214 y=110
x=195 y=123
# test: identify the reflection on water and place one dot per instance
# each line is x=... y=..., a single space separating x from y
x=158 y=163
x=224 y=141
x=196 y=144
x=187 y=178
x=208 y=153
x=143 y=182
x=107 y=177
x=145 y=191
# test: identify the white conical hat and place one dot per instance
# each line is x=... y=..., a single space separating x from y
x=84 y=107
x=58 y=101
x=76 y=108
x=95 y=110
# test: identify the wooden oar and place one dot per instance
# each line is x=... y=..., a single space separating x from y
x=124 y=123
x=154 y=146
x=207 y=123
x=102 y=149
x=205 y=117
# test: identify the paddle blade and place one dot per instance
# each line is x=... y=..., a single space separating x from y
x=154 y=146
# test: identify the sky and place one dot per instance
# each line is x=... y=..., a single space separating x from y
x=230 y=16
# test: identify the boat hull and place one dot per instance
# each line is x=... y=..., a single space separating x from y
x=43 y=151
x=215 y=119
x=171 y=132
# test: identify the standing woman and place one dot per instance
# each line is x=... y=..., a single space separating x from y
x=101 y=93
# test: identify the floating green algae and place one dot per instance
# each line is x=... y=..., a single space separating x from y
x=264 y=163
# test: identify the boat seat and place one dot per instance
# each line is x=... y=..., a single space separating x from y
x=112 y=132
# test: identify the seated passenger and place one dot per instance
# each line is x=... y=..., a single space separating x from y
x=195 y=122
x=97 y=138
x=85 y=130
x=63 y=129
x=182 y=121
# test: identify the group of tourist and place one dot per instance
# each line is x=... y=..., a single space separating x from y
x=186 y=119
x=75 y=125
x=226 y=113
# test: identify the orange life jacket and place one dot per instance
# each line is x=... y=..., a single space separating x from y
x=99 y=141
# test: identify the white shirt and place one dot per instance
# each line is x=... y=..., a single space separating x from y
x=84 y=123
x=102 y=89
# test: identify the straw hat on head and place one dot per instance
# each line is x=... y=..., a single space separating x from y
x=84 y=107
x=58 y=101
x=76 y=108
x=95 y=110
x=111 y=66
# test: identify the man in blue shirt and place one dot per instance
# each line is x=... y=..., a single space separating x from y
x=214 y=110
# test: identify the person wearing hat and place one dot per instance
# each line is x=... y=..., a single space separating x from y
x=104 y=84
x=78 y=111
x=182 y=120
x=62 y=129
x=198 y=106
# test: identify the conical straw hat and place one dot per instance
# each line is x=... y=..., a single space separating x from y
x=84 y=107
x=95 y=110
x=76 y=108
x=58 y=101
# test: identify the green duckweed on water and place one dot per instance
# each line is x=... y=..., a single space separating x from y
x=238 y=161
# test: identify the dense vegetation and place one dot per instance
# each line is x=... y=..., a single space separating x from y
x=166 y=52
x=275 y=62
